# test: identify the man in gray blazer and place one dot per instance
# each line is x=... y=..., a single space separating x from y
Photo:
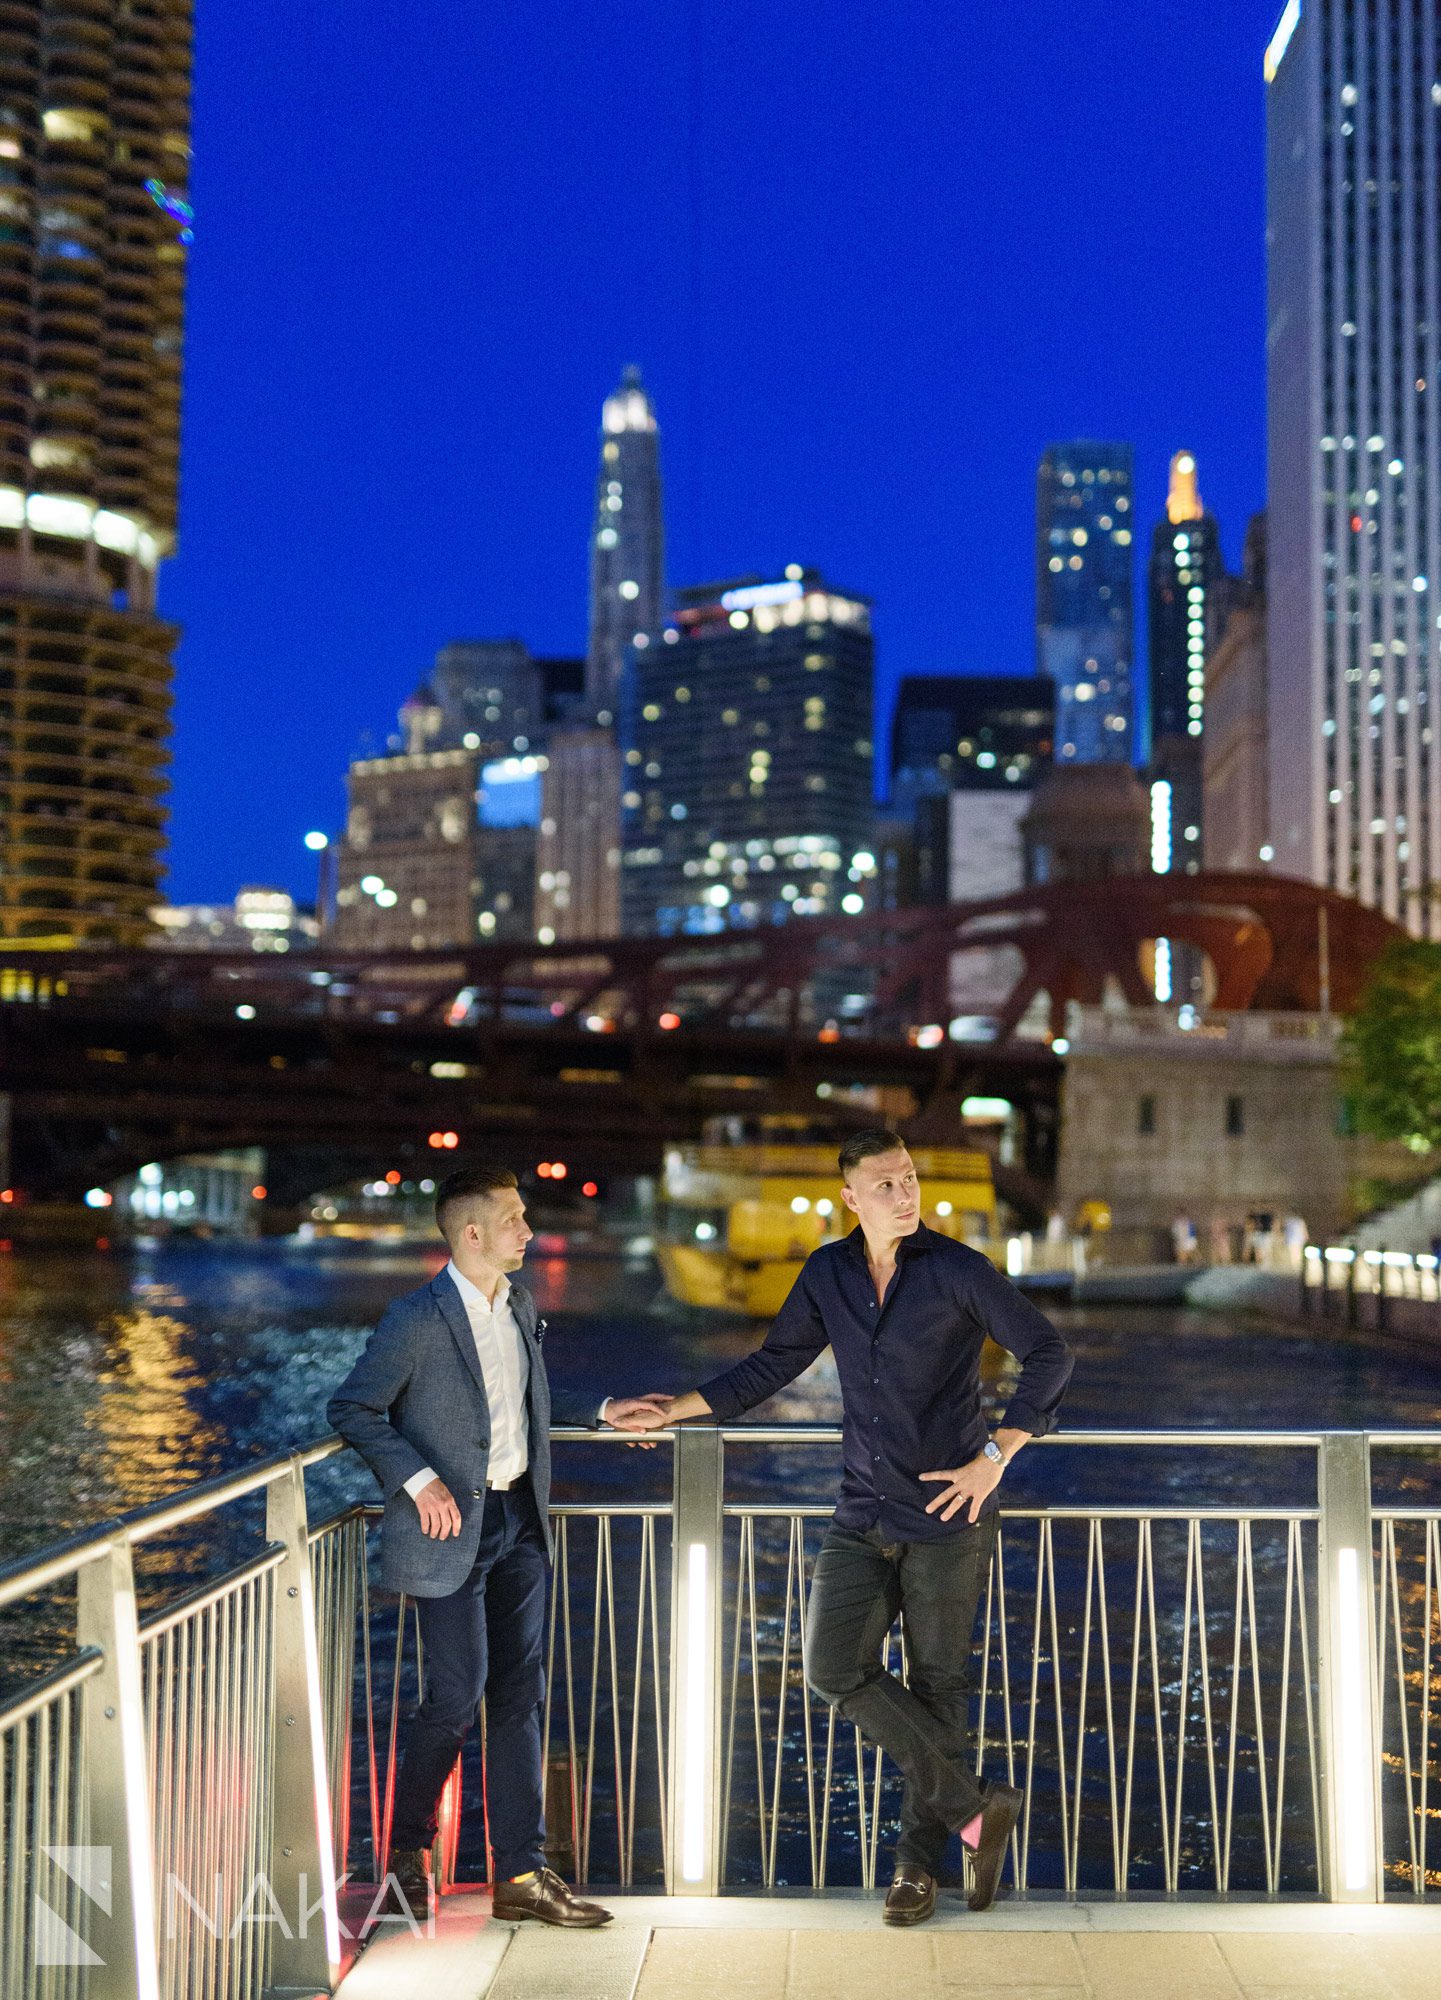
x=450 y=1408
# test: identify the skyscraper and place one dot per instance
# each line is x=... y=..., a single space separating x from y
x=982 y=732
x=578 y=853
x=1186 y=592
x=1354 y=451
x=627 y=551
x=94 y=163
x=966 y=752
x=1083 y=597
x=1234 y=824
x=417 y=870
x=748 y=758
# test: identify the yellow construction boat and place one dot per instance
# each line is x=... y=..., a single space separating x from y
x=740 y=1217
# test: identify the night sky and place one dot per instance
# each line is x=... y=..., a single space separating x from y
x=870 y=260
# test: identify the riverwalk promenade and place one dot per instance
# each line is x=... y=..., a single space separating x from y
x=834 y=1947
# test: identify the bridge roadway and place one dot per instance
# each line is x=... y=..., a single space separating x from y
x=106 y=1076
x=339 y=1063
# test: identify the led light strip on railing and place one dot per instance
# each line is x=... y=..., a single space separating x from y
x=1355 y=1794
x=697 y=1695
x=82 y=521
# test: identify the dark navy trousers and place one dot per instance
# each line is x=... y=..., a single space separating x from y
x=485 y=1639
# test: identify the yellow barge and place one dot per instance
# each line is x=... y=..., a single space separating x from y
x=739 y=1220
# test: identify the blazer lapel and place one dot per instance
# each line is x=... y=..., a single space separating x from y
x=446 y=1296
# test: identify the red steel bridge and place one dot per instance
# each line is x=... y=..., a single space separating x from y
x=342 y=1064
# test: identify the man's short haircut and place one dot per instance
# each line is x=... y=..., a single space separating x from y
x=465 y=1186
x=866 y=1145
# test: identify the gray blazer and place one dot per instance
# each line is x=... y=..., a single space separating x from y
x=416 y=1397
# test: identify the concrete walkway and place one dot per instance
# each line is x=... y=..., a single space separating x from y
x=834 y=1947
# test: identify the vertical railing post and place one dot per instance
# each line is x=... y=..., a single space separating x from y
x=305 y=1954
x=121 y=1861
x=695 y=1657
x=1350 y=1709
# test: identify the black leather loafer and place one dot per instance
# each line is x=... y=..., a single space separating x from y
x=911 y=1897
x=998 y=1820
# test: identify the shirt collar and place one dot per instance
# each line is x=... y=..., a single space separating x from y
x=919 y=1239
x=472 y=1297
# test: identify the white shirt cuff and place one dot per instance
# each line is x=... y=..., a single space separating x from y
x=418 y=1481
x=600 y=1413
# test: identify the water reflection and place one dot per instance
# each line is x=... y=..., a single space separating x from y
x=123 y=1377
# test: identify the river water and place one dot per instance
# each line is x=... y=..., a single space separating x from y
x=126 y=1375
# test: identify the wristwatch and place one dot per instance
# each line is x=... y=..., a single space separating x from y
x=991 y=1450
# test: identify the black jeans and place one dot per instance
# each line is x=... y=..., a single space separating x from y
x=485 y=1639
x=860 y=1584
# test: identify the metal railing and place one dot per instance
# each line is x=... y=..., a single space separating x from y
x=1198 y=1698
x=1383 y=1290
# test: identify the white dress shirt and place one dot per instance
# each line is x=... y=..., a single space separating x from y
x=505 y=1370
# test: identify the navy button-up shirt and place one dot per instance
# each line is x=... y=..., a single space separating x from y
x=910 y=1370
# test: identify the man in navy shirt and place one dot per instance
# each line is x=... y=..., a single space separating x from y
x=906 y=1312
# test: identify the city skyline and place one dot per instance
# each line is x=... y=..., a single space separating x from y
x=865 y=448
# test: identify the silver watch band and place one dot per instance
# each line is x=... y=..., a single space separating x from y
x=991 y=1450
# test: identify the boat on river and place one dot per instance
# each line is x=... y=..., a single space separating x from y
x=741 y=1211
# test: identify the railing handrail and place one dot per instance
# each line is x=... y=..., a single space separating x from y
x=142 y=1524
x=62 y=1559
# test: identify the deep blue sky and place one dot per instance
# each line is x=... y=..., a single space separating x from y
x=871 y=259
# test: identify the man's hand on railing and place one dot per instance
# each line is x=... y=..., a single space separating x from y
x=439 y=1515
x=637 y=1413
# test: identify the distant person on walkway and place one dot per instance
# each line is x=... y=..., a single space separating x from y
x=1183 y=1240
x=450 y=1409
x=1295 y=1236
x=906 y=1311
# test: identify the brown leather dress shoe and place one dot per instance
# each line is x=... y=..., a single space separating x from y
x=549 y=1900
x=911 y=1898
x=998 y=1819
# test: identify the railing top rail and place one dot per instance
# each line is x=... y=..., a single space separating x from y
x=831 y=1434
x=53 y=1565
x=762 y=1510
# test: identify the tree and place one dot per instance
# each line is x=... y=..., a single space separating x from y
x=1393 y=1046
